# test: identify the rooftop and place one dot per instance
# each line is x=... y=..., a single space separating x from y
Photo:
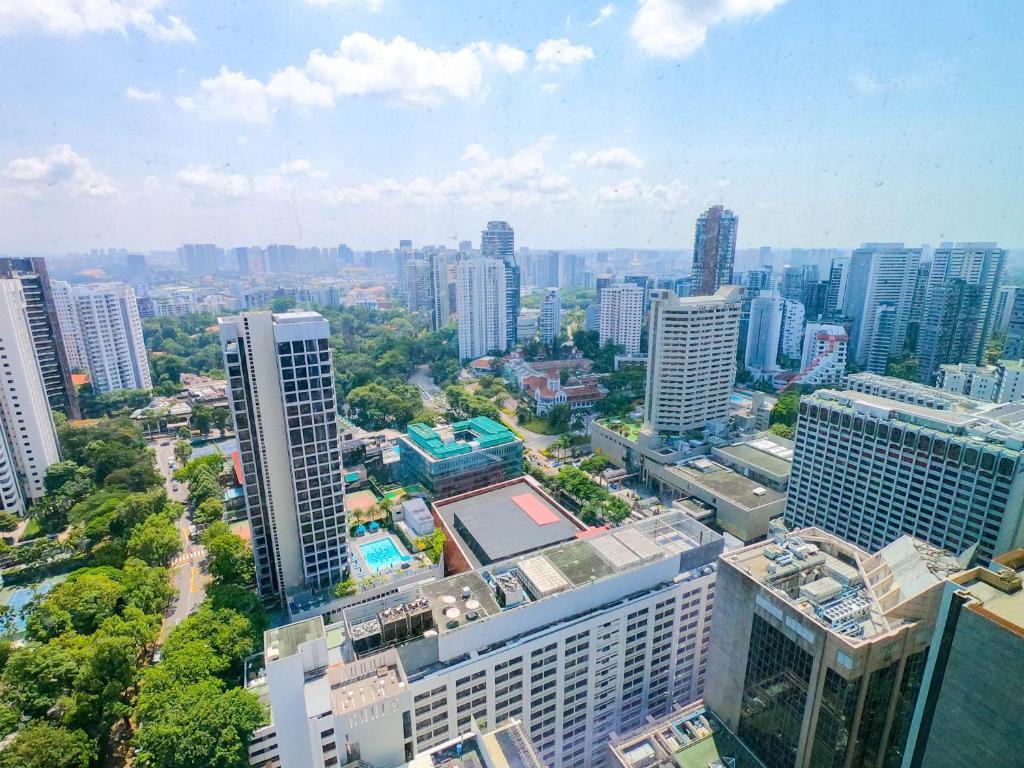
x=772 y=454
x=725 y=483
x=997 y=592
x=842 y=587
x=690 y=738
x=288 y=638
x=505 y=520
x=507 y=746
x=462 y=437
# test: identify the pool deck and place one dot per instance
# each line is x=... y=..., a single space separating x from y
x=364 y=569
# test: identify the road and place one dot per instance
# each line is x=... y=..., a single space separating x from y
x=188 y=572
x=429 y=391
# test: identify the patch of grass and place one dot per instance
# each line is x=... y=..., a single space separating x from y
x=32 y=530
x=540 y=426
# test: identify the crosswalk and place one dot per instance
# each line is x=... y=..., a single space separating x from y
x=197 y=553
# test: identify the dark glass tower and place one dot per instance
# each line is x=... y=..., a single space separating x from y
x=498 y=241
x=714 y=250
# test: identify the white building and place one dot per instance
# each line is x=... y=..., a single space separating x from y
x=70 y=328
x=879 y=295
x=527 y=324
x=977 y=381
x=1011 y=381
x=824 y=355
x=281 y=394
x=480 y=296
x=440 y=310
x=418 y=281
x=764 y=333
x=577 y=641
x=112 y=334
x=550 y=316
x=691 y=361
x=175 y=303
x=792 y=329
x=28 y=443
x=621 y=316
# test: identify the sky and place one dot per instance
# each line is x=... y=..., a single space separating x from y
x=144 y=124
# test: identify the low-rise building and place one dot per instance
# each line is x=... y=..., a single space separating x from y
x=451 y=459
x=977 y=381
x=545 y=392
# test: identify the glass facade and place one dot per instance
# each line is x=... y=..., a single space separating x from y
x=774 y=695
x=876 y=710
x=835 y=720
x=910 y=687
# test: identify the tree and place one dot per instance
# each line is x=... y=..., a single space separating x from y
x=155 y=541
x=229 y=557
x=432 y=545
x=60 y=474
x=227 y=632
x=42 y=745
x=80 y=603
x=184 y=433
x=8 y=522
x=182 y=452
x=783 y=430
x=345 y=588
x=202 y=419
x=36 y=676
x=209 y=511
x=220 y=417
x=786 y=408
x=559 y=416
x=145 y=587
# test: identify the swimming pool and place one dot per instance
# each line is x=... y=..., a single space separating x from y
x=382 y=554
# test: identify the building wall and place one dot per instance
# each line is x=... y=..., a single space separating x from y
x=71 y=330
x=481 y=299
x=620 y=316
x=112 y=333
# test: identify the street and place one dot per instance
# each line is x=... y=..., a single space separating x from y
x=429 y=391
x=188 y=571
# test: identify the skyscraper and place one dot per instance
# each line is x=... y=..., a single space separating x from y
x=909 y=459
x=439 y=304
x=108 y=315
x=879 y=295
x=70 y=328
x=550 y=325
x=960 y=305
x=621 y=316
x=792 y=328
x=28 y=438
x=199 y=258
x=818 y=648
x=46 y=335
x=838 y=274
x=281 y=393
x=481 y=290
x=416 y=273
x=714 y=250
x=691 y=359
x=763 y=334
x=498 y=242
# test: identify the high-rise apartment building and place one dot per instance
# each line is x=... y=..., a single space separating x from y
x=200 y=258
x=108 y=315
x=879 y=295
x=818 y=648
x=576 y=640
x=960 y=305
x=46 y=333
x=281 y=393
x=792 y=328
x=440 y=307
x=481 y=292
x=70 y=329
x=824 y=355
x=764 y=330
x=942 y=468
x=621 y=316
x=1006 y=299
x=416 y=274
x=28 y=438
x=550 y=324
x=498 y=241
x=691 y=359
x=714 y=250
x=969 y=709
x=838 y=274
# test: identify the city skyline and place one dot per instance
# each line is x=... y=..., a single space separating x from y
x=582 y=113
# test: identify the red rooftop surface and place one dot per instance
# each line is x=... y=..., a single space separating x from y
x=535 y=509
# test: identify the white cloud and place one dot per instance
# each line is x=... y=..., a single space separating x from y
x=636 y=193
x=73 y=18
x=210 y=180
x=677 y=28
x=505 y=56
x=603 y=15
x=300 y=168
x=136 y=94
x=60 y=170
x=293 y=84
x=549 y=88
x=555 y=54
x=521 y=179
x=612 y=157
x=373 y=6
x=229 y=95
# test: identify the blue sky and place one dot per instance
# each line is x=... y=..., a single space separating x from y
x=147 y=123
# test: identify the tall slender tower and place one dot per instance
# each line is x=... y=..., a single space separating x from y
x=714 y=250
x=28 y=438
x=439 y=307
x=498 y=241
x=46 y=336
x=550 y=316
x=481 y=293
x=281 y=392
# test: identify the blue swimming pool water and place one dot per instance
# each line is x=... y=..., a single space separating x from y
x=22 y=596
x=382 y=554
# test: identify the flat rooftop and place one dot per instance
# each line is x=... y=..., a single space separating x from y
x=997 y=592
x=842 y=587
x=505 y=520
x=724 y=482
x=449 y=440
x=691 y=738
x=288 y=638
x=771 y=456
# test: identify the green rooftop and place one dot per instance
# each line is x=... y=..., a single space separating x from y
x=446 y=442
